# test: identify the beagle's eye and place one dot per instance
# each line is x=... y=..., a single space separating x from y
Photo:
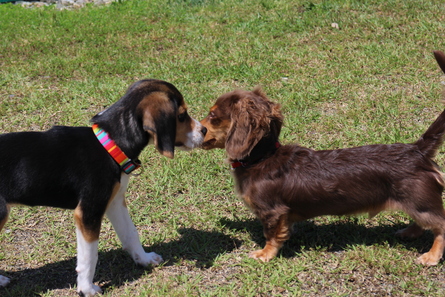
x=182 y=116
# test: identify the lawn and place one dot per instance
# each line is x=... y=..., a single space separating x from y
x=346 y=72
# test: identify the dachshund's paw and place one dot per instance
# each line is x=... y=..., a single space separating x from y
x=262 y=255
x=428 y=259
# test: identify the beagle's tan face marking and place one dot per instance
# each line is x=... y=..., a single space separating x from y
x=188 y=130
x=182 y=131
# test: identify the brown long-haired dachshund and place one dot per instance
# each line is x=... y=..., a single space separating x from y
x=283 y=184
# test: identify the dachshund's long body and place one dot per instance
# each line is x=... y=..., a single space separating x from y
x=78 y=167
x=340 y=182
x=291 y=183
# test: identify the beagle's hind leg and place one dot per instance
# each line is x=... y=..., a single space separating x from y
x=87 y=253
x=4 y=213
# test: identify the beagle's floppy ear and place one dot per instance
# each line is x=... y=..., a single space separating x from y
x=159 y=120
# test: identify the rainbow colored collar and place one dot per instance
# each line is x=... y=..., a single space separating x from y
x=126 y=164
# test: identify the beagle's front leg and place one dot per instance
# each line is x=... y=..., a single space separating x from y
x=117 y=213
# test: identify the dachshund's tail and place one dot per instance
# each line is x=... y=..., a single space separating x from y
x=432 y=139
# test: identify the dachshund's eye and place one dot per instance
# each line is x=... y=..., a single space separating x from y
x=182 y=116
x=212 y=115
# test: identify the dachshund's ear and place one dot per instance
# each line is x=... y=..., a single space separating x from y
x=249 y=125
x=274 y=112
x=159 y=120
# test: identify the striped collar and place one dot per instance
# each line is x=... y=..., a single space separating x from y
x=126 y=164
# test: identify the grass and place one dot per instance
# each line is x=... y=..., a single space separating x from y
x=372 y=80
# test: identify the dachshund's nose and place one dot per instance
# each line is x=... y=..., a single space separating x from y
x=204 y=131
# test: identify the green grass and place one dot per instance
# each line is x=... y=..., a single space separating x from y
x=372 y=80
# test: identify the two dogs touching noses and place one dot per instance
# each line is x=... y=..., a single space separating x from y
x=281 y=184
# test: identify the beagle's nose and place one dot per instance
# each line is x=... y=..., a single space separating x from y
x=204 y=131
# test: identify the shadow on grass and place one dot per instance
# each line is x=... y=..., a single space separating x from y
x=196 y=245
x=334 y=237
x=115 y=267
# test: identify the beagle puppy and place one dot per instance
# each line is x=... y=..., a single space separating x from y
x=283 y=184
x=87 y=168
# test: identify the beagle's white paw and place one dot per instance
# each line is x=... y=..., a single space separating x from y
x=148 y=258
x=89 y=290
x=4 y=280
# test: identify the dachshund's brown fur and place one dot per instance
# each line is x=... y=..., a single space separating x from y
x=290 y=183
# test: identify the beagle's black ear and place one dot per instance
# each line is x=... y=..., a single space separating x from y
x=159 y=120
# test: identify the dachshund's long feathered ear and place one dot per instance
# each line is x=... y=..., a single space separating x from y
x=253 y=117
x=159 y=120
x=275 y=115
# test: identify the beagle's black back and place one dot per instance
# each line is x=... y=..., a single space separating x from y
x=55 y=168
x=66 y=166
